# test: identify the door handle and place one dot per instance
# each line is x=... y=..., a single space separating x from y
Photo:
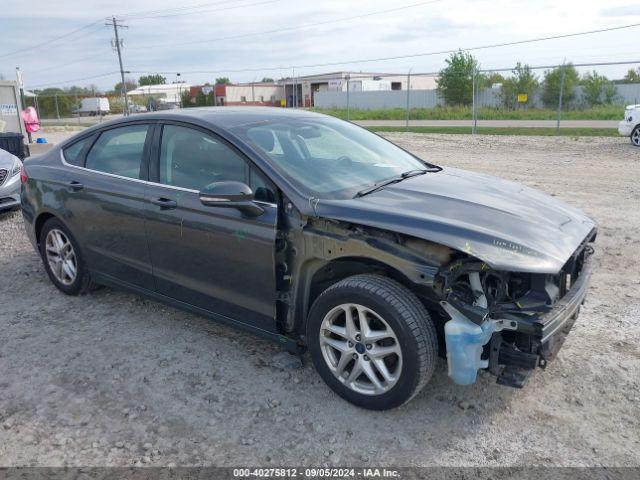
x=75 y=186
x=165 y=203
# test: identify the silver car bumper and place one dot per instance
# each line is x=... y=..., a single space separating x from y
x=10 y=193
x=625 y=128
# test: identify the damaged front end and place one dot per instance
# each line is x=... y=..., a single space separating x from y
x=509 y=322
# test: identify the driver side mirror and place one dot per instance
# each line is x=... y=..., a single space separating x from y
x=230 y=195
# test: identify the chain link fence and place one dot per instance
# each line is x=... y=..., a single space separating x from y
x=544 y=95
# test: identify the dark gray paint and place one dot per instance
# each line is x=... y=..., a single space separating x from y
x=507 y=225
x=215 y=260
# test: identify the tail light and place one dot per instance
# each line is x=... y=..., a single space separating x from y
x=23 y=175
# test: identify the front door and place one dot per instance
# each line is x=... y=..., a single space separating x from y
x=210 y=257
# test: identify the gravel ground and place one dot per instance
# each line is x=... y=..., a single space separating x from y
x=114 y=379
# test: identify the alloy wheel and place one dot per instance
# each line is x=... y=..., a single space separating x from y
x=61 y=257
x=635 y=137
x=361 y=349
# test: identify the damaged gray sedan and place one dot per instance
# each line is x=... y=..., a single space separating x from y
x=317 y=234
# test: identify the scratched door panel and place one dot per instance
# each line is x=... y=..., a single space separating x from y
x=211 y=257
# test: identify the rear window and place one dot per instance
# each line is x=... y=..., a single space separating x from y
x=119 y=151
x=72 y=153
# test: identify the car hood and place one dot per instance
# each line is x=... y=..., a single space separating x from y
x=505 y=224
x=6 y=159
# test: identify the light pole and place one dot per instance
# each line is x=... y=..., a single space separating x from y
x=179 y=88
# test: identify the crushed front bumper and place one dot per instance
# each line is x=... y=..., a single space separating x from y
x=547 y=335
x=554 y=326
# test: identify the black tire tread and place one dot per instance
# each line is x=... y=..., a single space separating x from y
x=412 y=312
x=86 y=283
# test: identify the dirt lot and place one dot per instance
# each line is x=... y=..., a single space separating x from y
x=113 y=379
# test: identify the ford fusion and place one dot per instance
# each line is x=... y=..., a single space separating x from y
x=317 y=234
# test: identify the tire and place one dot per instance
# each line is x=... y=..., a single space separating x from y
x=635 y=136
x=81 y=282
x=390 y=310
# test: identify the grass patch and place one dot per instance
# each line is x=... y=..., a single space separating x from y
x=532 y=131
x=603 y=112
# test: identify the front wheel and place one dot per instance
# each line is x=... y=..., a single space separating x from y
x=372 y=341
x=635 y=136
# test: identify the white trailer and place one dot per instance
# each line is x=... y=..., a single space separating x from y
x=94 y=106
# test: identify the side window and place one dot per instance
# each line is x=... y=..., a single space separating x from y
x=192 y=159
x=72 y=152
x=119 y=151
x=263 y=190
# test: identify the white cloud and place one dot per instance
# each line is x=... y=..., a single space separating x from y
x=440 y=26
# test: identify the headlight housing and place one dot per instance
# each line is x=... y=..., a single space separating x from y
x=15 y=169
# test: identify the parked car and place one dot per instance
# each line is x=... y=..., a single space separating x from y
x=135 y=108
x=630 y=125
x=9 y=181
x=317 y=234
x=167 y=105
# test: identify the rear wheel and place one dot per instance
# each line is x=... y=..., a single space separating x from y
x=372 y=341
x=62 y=259
x=635 y=136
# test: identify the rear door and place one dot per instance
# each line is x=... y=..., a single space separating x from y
x=105 y=196
x=210 y=257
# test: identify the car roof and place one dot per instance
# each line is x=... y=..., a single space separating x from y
x=228 y=117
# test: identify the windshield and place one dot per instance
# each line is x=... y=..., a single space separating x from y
x=326 y=157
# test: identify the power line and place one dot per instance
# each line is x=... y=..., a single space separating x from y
x=75 y=79
x=232 y=7
x=164 y=10
x=414 y=55
x=63 y=65
x=51 y=40
x=540 y=67
x=295 y=27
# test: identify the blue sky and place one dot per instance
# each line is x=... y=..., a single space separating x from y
x=198 y=41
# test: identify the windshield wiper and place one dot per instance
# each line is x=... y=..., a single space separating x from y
x=377 y=186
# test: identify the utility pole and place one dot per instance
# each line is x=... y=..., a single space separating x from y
x=348 y=77
x=560 y=97
x=23 y=103
x=475 y=92
x=123 y=89
x=55 y=98
x=408 y=94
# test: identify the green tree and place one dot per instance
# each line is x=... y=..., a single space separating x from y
x=186 y=99
x=492 y=79
x=156 y=79
x=223 y=81
x=551 y=85
x=455 y=83
x=267 y=80
x=598 y=89
x=201 y=99
x=632 y=76
x=211 y=99
x=47 y=99
x=522 y=80
x=129 y=84
x=80 y=91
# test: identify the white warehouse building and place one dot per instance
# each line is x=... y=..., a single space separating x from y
x=300 y=90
